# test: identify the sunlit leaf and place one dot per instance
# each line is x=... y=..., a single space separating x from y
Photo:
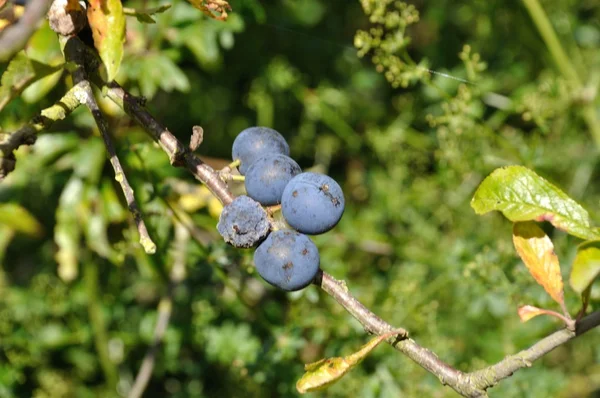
x=522 y=195
x=6 y=235
x=107 y=20
x=527 y=312
x=19 y=219
x=89 y=159
x=216 y=9
x=21 y=72
x=145 y=16
x=43 y=47
x=537 y=252
x=323 y=373
x=112 y=211
x=586 y=266
x=67 y=232
x=94 y=223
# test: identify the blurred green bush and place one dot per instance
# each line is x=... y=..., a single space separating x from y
x=78 y=297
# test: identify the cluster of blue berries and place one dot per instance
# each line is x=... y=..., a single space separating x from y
x=311 y=204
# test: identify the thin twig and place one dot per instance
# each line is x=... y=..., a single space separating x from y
x=14 y=37
x=375 y=325
x=86 y=97
x=473 y=384
x=179 y=155
x=165 y=307
x=27 y=134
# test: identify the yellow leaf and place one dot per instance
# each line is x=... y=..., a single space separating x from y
x=107 y=21
x=537 y=252
x=323 y=373
x=527 y=312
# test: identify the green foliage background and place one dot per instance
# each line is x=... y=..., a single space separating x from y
x=78 y=297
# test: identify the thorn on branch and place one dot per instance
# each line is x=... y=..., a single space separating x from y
x=197 y=138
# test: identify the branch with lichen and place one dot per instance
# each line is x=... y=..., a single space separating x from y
x=27 y=134
x=86 y=97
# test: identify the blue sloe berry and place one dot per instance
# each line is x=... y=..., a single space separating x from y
x=312 y=203
x=255 y=142
x=287 y=259
x=243 y=222
x=267 y=177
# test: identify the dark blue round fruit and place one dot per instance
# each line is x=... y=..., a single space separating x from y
x=256 y=142
x=243 y=223
x=287 y=259
x=312 y=203
x=267 y=177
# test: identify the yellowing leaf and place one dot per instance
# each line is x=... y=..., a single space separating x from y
x=527 y=312
x=107 y=20
x=522 y=195
x=216 y=9
x=586 y=266
x=19 y=219
x=323 y=373
x=537 y=252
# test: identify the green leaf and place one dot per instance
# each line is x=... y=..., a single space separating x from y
x=21 y=73
x=145 y=16
x=586 y=266
x=522 y=195
x=323 y=373
x=157 y=70
x=89 y=159
x=43 y=47
x=202 y=41
x=19 y=219
x=107 y=20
